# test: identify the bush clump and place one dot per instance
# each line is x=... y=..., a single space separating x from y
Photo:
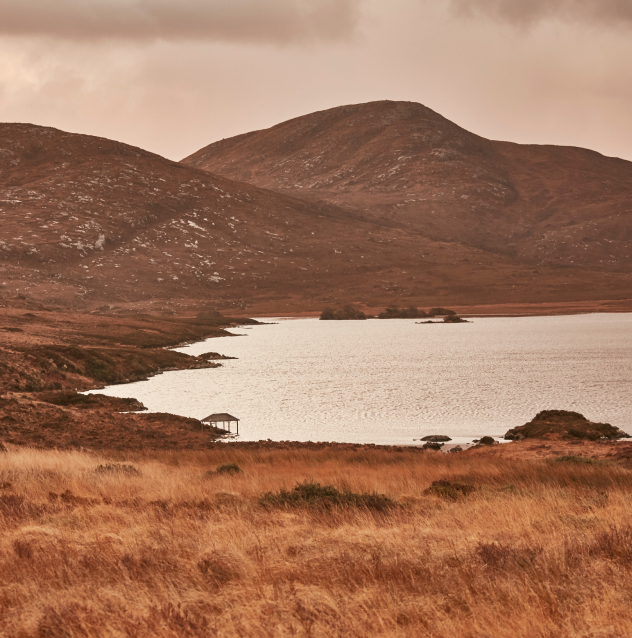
x=347 y=313
x=315 y=495
x=118 y=468
x=229 y=468
x=565 y=424
x=393 y=312
x=449 y=491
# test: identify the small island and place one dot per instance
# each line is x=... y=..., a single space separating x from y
x=349 y=313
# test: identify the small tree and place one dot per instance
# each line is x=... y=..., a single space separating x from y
x=327 y=314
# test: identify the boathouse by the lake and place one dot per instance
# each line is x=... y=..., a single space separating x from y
x=214 y=420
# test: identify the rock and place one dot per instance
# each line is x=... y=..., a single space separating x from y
x=436 y=438
x=487 y=440
x=431 y=446
x=456 y=448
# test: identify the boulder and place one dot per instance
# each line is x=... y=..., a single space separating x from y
x=436 y=438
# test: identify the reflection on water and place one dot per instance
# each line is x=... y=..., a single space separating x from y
x=390 y=381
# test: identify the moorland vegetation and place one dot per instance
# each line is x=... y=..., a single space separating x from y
x=328 y=541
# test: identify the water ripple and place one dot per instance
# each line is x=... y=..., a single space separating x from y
x=392 y=381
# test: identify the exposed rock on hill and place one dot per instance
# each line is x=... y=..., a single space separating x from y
x=562 y=424
x=406 y=165
x=87 y=219
x=378 y=204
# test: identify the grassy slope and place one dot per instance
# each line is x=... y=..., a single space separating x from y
x=539 y=549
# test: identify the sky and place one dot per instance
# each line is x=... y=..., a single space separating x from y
x=173 y=76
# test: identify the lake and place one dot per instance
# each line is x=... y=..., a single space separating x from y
x=392 y=381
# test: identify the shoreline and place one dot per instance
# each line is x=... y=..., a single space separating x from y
x=63 y=353
x=546 y=309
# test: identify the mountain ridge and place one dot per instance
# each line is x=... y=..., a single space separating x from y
x=421 y=170
x=88 y=221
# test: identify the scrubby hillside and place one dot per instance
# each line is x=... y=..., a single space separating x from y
x=86 y=219
x=404 y=163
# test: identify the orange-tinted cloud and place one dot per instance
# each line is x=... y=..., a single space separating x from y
x=239 y=20
x=527 y=12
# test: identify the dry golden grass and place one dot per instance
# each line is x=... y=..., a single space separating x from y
x=539 y=549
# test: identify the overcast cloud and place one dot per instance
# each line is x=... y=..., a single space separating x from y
x=615 y=13
x=241 y=20
x=172 y=76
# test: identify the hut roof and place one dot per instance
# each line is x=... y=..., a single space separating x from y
x=222 y=416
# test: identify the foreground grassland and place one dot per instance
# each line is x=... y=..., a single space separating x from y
x=538 y=548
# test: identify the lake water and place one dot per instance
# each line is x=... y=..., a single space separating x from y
x=392 y=381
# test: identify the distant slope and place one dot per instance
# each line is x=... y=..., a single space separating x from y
x=402 y=162
x=87 y=221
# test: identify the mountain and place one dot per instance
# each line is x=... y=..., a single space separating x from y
x=88 y=222
x=404 y=164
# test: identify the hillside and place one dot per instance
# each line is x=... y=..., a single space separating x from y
x=87 y=219
x=92 y=223
x=403 y=163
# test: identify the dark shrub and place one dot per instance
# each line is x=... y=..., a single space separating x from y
x=310 y=494
x=229 y=468
x=583 y=434
x=487 y=440
x=118 y=468
x=99 y=370
x=393 y=312
x=327 y=314
x=347 y=313
x=449 y=491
